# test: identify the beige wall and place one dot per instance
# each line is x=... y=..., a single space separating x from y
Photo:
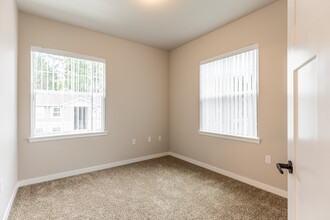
x=8 y=97
x=267 y=27
x=136 y=102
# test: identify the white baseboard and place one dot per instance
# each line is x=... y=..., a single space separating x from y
x=243 y=179
x=88 y=170
x=254 y=183
x=10 y=204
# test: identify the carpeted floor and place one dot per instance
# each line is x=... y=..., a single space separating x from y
x=163 y=188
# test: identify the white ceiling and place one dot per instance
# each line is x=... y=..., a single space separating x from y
x=164 y=24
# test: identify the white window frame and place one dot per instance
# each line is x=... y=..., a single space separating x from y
x=34 y=138
x=255 y=140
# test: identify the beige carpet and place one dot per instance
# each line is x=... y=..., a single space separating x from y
x=163 y=188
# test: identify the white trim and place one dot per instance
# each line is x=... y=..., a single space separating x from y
x=10 y=204
x=66 y=54
x=255 y=140
x=229 y=54
x=32 y=97
x=88 y=169
x=104 y=109
x=235 y=176
x=67 y=136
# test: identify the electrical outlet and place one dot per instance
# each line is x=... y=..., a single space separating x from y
x=133 y=141
x=1 y=185
x=267 y=159
x=159 y=138
x=149 y=139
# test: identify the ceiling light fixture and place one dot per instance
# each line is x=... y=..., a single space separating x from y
x=152 y=2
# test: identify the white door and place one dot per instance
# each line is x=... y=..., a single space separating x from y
x=309 y=109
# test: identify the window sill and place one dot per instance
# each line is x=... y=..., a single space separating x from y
x=66 y=136
x=255 y=140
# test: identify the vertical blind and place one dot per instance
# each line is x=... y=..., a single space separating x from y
x=228 y=93
x=68 y=93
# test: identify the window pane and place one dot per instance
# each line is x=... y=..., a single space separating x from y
x=69 y=94
x=228 y=95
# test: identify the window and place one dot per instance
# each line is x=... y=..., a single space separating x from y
x=57 y=130
x=228 y=95
x=68 y=93
x=39 y=130
x=56 y=112
x=80 y=115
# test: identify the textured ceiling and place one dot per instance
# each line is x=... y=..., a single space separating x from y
x=164 y=24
